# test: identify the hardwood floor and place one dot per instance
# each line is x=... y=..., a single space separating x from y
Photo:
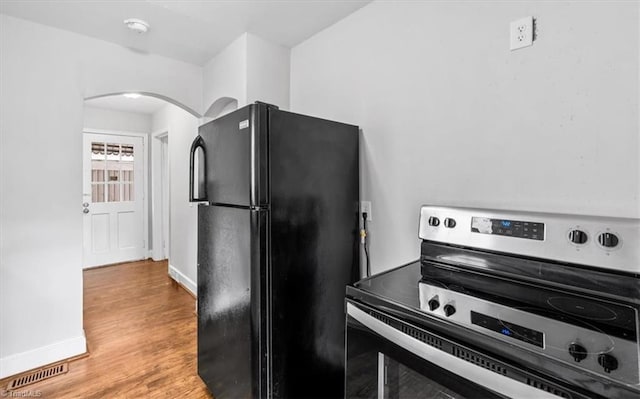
x=141 y=332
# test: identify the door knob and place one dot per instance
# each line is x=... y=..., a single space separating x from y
x=85 y=210
x=85 y=204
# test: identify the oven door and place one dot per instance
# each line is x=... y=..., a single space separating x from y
x=388 y=358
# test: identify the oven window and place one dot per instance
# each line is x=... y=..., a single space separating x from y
x=399 y=381
x=379 y=369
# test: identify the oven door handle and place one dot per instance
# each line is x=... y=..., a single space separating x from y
x=481 y=376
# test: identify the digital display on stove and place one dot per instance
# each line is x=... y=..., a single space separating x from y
x=508 y=228
x=508 y=329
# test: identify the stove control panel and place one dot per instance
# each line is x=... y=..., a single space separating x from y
x=515 y=331
x=508 y=228
x=596 y=352
x=609 y=243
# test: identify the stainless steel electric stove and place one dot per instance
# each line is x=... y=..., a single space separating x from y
x=502 y=304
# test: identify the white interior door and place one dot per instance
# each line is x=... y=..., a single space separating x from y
x=112 y=199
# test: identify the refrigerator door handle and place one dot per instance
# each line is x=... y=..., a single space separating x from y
x=198 y=153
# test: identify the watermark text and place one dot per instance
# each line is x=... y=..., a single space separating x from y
x=27 y=393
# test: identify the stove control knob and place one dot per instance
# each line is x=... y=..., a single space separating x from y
x=449 y=310
x=433 y=303
x=608 y=240
x=450 y=223
x=608 y=362
x=577 y=236
x=434 y=221
x=578 y=352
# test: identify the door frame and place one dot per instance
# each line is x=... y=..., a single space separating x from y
x=145 y=178
x=157 y=203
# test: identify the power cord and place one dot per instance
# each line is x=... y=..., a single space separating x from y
x=363 y=239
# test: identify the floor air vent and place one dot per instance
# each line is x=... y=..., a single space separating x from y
x=37 y=376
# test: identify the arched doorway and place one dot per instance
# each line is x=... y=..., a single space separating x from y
x=113 y=123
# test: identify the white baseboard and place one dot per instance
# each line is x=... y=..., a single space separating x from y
x=182 y=279
x=24 y=361
x=157 y=256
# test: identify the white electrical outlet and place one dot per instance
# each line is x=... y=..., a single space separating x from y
x=521 y=33
x=365 y=206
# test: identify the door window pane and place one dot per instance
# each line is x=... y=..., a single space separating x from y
x=97 y=171
x=97 y=161
x=97 y=192
x=127 y=153
x=113 y=152
x=127 y=191
x=97 y=151
x=127 y=175
x=113 y=190
x=112 y=172
x=126 y=168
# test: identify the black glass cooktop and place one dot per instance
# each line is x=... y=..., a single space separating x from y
x=400 y=286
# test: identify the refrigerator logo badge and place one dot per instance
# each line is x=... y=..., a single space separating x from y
x=244 y=124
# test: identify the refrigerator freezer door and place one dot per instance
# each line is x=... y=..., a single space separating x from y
x=236 y=157
x=231 y=329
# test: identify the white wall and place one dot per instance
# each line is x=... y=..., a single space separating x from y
x=46 y=74
x=451 y=116
x=225 y=75
x=182 y=128
x=115 y=120
x=249 y=69
x=267 y=72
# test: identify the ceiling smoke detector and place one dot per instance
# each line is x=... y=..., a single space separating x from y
x=137 y=25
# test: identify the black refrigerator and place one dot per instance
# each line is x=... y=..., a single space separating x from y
x=277 y=244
